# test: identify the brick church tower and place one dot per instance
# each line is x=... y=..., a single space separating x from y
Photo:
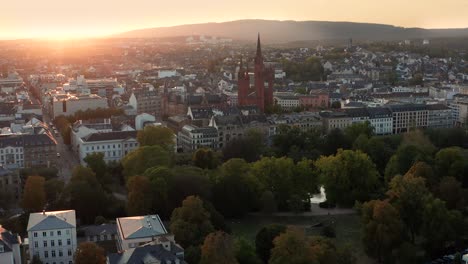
x=258 y=91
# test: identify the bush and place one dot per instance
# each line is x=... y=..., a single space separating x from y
x=328 y=231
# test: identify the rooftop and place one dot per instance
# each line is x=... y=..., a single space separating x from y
x=51 y=220
x=141 y=226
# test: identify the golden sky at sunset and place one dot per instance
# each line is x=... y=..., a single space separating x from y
x=85 y=18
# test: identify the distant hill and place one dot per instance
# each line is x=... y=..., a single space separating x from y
x=274 y=31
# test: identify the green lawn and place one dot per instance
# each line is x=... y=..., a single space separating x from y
x=347 y=227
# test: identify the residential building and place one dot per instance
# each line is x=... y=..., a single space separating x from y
x=10 y=247
x=236 y=126
x=161 y=251
x=52 y=236
x=136 y=231
x=335 y=120
x=304 y=121
x=439 y=116
x=98 y=233
x=114 y=145
x=314 y=101
x=381 y=120
x=288 y=102
x=191 y=138
x=10 y=183
x=408 y=116
x=146 y=101
x=67 y=105
x=39 y=150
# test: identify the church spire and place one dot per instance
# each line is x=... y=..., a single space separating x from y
x=259 y=48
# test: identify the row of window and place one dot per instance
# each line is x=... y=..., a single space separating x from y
x=10 y=151
x=52 y=243
x=51 y=233
x=126 y=145
x=54 y=254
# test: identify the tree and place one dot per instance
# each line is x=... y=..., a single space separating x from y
x=451 y=191
x=264 y=240
x=439 y=226
x=245 y=252
x=357 y=129
x=382 y=229
x=53 y=189
x=139 y=196
x=159 y=178
x=348 y=176
x=451 y=162
x=89 y=253
x=187 y=181
x=235 y=190
x=268 y=203
x=85 y=194
x=218 y=248
x=291 y=247
x=95 y=161
x=423 y=170
x=191 y=222
x=249 y=147
x=34 y=196
x=143 y=158
x=409 y=194
x=205 y=159
x=156 y=136
x=405 y=157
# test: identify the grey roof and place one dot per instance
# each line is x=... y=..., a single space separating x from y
x=141 y=226
x=115 y=135
x=104 y=229
x=434 y=107
x=51 y=220
x=407 y=107
x=146 y=254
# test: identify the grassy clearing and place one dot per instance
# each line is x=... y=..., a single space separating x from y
x=347 y=227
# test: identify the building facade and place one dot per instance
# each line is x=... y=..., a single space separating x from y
x=52 y=236
x=191 y=138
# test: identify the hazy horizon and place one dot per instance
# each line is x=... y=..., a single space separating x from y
x=56 y=19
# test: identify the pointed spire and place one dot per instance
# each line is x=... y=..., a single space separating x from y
x=259 y=48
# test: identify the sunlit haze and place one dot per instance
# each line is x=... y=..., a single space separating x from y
x=63 y=19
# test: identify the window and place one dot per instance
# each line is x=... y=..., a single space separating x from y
x=53 y=253
x=44 y=234
x=36 y=244
x=68 y=241
x=51 y=233
x=46 y=254
x=69 y=252
x=35 y=234
x=60 y=253
x=45 y=243
x=60 y=242
x=52 y=243
x=68 y=232
x=59 y=233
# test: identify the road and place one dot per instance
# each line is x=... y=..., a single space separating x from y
x=67 y=160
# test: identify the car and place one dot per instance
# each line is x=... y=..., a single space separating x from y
x=58 y=155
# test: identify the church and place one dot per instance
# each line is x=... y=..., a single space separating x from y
x=256 y=89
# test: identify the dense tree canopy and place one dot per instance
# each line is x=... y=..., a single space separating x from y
x=157 y=136
x=140 y=199
x=348 y=176
x=137 y=161
x=89 y=253
x=264 y=240
x=34 y=195
x=218 y=247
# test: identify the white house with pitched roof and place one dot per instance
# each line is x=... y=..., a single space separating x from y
x=52 y=236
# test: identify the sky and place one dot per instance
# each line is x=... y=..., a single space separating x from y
x=60 y=19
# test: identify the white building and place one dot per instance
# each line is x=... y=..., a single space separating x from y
x=167 y=73
x=67 y=105
x=52 y=236
x=114 y=145
x=191 y=138
x=135 y=231
x=10 y=252
x=287 y=101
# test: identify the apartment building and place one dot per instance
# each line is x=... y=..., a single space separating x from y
x=135 y=231
x=52 y=236
x=10 y=247
x=191 y=138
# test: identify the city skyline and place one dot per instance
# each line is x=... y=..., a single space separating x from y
x=55 y=19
